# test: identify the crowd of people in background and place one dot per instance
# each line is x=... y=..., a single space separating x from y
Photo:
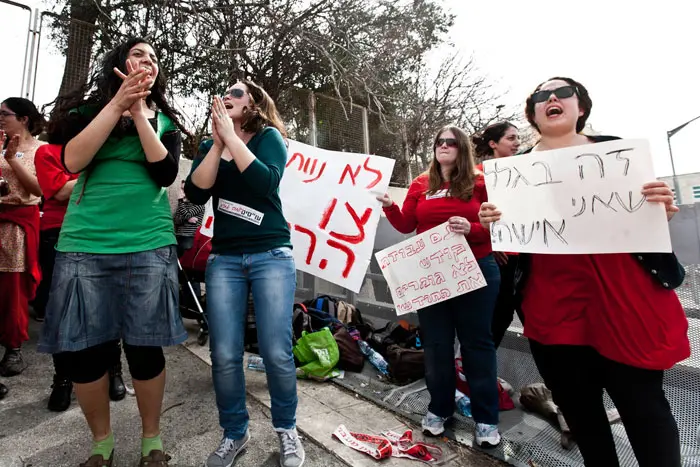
x=87 y=237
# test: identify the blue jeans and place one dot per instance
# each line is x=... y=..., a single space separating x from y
x=470 y=316
x=271 y=276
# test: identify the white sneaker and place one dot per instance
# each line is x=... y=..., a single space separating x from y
x=487 y=436
x=433 y=425
x=291 y=451
x=227 y=451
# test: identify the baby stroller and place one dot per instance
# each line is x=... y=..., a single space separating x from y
x=192 y=264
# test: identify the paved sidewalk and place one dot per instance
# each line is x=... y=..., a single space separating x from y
x=30 y=435
x=324 y=406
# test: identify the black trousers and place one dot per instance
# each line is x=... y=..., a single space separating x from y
x=47 y=256
x=577 y=375
x=505 y=303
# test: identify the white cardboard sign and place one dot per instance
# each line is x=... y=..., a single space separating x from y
x=429 y=268
x=582 y=199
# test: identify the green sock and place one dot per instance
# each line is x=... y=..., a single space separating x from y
x=104 y=447
x=149 y=444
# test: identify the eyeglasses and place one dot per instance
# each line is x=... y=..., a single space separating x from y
x=563 y=92
x=5 y=113
x=236 y=93
x=450 y=142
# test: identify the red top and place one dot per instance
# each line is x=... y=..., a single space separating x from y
x=52 y=176
x=606 y=301
x=420 y=213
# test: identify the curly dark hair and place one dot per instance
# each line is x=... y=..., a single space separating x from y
x=102 y=87
x=584 y=102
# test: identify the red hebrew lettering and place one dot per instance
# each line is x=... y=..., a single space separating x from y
x=477 y=281
x=419 y=301
x=435 y=296
x=439 y=278
x=327 y=214
x=312 y=245
x=438 y=255
x=348 y=171
x=376 y=173
x=384 y=262
x=409 y=250
x=458 y=250
x=359 y=222
x=463 y=286
x=420 y=246
x=293 y=158
x=400 y=291
x=413 y=284
x=459 y=269
x=445 y=293
x=392 y=255
x=320 y=172
x=435 y=238
x=405 y=306
x=426 y=282
x=307 y=166
x=425 y=263
x=471 y=265
x=351 y=256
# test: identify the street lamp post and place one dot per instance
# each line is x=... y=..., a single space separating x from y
x=670 y=133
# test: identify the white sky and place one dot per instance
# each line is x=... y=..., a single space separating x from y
x=641 y=64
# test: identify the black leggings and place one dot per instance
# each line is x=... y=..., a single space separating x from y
x=505 y=303
x=91 y=364
x=577 y=375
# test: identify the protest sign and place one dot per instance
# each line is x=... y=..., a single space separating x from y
x=329 y=201
x=429 y=268
x=581 y=199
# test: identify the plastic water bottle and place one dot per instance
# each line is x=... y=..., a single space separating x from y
x=375 y=358
x=255 y=362
x=464 y=404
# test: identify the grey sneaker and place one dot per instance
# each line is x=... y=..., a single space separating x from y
x=227 y=452
x=433 y=425
x=291 y=451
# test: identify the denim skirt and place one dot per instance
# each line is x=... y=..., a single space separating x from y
x=96 y=298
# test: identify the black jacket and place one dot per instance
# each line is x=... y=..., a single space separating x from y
x=664 y=267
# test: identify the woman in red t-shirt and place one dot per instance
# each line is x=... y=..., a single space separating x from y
x=451 y=191
x=496 y=141
x=602 y=321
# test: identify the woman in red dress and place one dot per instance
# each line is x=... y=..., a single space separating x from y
x=602 y=321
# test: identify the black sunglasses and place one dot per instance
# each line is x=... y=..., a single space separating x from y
x=450 y=142
x=563 y=92
x=237 y=93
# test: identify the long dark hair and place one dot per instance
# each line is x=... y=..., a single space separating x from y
x=462 y=178
x=584 y=102
x=24 y=108
x=492 y=132
x=104 y=84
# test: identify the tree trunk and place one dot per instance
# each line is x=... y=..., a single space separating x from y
x=81 y=37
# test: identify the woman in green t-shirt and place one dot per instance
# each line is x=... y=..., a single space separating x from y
x=115 y=274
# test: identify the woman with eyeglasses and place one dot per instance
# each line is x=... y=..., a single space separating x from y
x=115 y=273
x=496 y=141
x=241 y=168
x=20 y=122
x=602 y=321
x=451 y=191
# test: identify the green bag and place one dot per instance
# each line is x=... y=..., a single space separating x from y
x=318 y=354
